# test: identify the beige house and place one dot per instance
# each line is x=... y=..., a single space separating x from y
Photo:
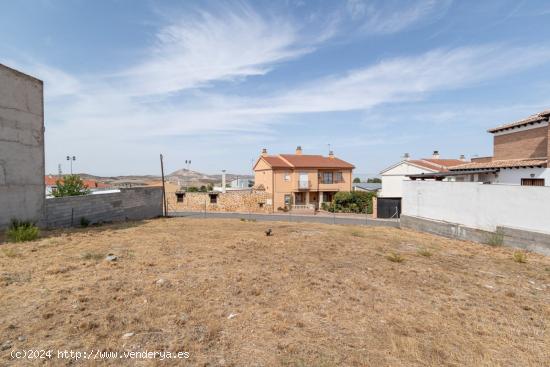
x=300 y=181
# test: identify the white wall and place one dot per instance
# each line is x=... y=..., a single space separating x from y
x=479 y=206
x=514 y=175
x=392 y=179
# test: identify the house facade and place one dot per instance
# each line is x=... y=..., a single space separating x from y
x=393 y=176
x=520 y=155
x=300 y=181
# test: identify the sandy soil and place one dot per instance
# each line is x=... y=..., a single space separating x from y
x=310 y=295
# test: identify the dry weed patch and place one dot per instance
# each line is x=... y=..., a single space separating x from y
x=307 y=295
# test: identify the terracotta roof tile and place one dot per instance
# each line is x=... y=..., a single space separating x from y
x=505 y=163
x=276 y=162
x=541 y=116
x=439 y=165
x=315 y=161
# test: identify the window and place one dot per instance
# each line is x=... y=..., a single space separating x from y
x=338 y=177
x=327 y=177
x=213 y=198
x=532 y=181
x=287 y=176
x=288 y=199
x=179 y=197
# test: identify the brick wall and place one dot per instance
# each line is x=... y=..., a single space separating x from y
x=531 y=143
x=250 y=201
x=128 y=204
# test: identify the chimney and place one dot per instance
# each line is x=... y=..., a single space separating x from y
x=331 y=154
x=406 y=156
x=264 y=152
x=298 y=150
x=223 y=181
x=462 y=158
x=436 y=154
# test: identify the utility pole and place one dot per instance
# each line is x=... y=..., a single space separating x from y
x=165 y=206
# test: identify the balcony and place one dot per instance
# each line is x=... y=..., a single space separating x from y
x=304 y=185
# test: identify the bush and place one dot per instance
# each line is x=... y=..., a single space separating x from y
x=495 y=239
x=520 y=257
x=71 y=185
x=84 y=222
x=395 y=257
x=192 y=189
x=21 y=231
x=351 y=202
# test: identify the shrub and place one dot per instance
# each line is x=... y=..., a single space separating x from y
x=352 y=202
x=424 y=252
x=192 y=189
x=520 y=257
x=71 y=185
x=21 y=231
x=395 y=257
x=495 y=239
x=84 y=222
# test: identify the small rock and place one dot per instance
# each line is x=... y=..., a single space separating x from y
x=22 y=338
x=231 y=316
x=489 y=286
x=5 y=345
x=111 y=257
x=127 y=335
x=162 y=282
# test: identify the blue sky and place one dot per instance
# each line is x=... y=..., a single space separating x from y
x=217 y=81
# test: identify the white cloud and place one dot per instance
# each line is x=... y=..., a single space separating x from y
x=211 y=47
x=392 y=17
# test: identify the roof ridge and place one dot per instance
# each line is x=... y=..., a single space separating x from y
x=286 y=161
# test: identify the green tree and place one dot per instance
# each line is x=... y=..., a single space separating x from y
x=71 y=185
x=356 y=180
x=192 y=189
x=203 y=189
x=374 y=180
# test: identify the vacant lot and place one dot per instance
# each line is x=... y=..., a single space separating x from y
x=310 y=295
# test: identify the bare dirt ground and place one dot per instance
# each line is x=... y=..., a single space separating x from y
x=310 y=295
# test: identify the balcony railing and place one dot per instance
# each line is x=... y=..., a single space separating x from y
x=304 y=184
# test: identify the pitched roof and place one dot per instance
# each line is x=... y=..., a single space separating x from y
x=276 y=162
x=439 y=165
x=91 y=184
x=315 y=161
x=504 y=163
x=541 y=116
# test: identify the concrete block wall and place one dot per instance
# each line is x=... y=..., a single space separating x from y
x=511 y=237
x=128 y=204
x=249 y=201
x=21 y=147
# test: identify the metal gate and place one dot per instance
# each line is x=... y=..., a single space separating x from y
x=389 y=207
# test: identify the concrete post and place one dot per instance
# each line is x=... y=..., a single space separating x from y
x=223 y=181
x=374 y=207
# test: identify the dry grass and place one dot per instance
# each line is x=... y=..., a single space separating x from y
x=310 y=295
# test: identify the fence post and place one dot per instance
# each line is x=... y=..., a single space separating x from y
x=204 y=215
x=334 y=216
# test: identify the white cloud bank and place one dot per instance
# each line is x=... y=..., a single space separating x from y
x=107 y=114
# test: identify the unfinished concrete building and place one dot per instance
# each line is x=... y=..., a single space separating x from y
x=21 y=147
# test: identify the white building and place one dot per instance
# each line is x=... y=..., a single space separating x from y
x=520 y=155
x=393 y=176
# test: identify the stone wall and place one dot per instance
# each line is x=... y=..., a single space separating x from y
x=246 y=201
x=22 y=188
x=128 y=204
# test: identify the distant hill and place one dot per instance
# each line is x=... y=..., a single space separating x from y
x=194 y=178
x=182 y=176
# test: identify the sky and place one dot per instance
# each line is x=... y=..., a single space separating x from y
x=214 y=82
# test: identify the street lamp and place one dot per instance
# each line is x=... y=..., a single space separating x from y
x=71 y=159
x=187 y=163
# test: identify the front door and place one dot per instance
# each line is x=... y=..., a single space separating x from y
x=300 y=198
